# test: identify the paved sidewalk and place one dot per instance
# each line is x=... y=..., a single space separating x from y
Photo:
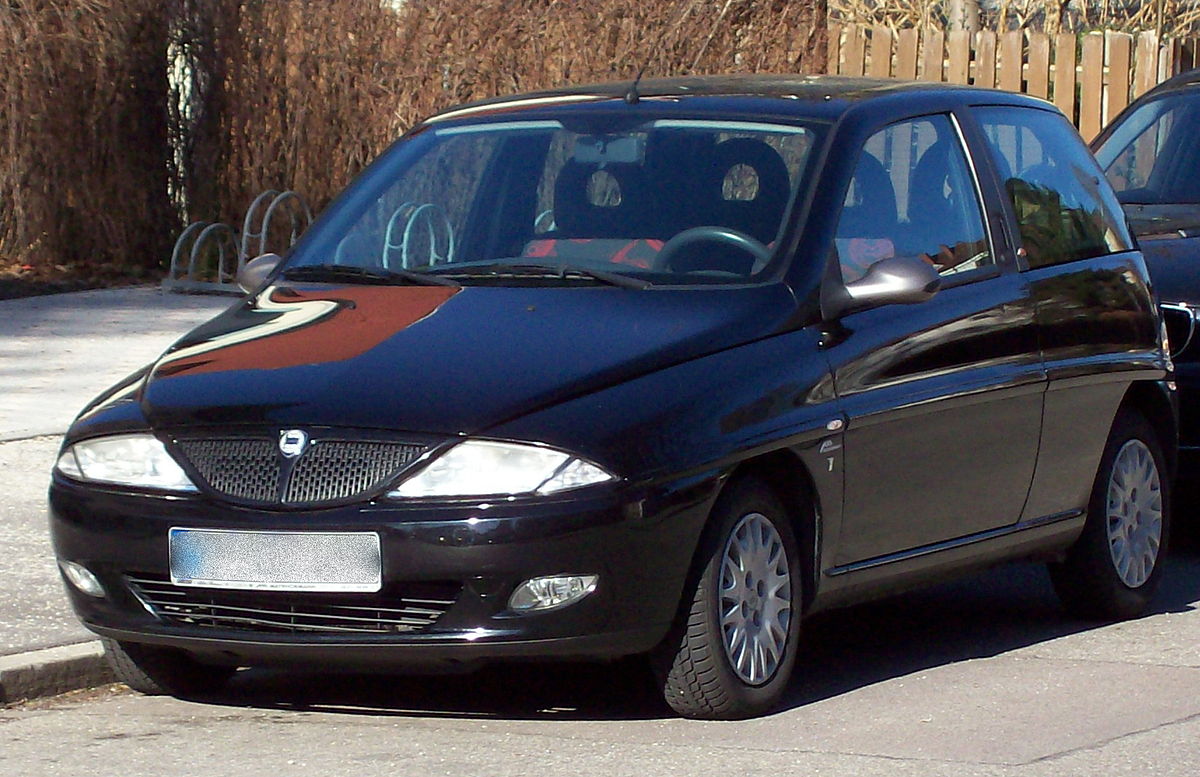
x=56 y=353
x=60 y=350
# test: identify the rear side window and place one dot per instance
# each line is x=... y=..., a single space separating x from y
x=913 y=195
x=1064 y=207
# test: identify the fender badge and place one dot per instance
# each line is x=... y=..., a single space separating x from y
x=292 y=442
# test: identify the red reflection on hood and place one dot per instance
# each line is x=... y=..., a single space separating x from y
x=311 y=327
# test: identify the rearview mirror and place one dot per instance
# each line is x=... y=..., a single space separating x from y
x=256 y=271
x=897 y=280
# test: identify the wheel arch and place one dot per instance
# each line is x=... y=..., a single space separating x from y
x=1154 y=402
x=789 y=477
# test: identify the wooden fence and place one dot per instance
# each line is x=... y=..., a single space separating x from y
x=1090 y=77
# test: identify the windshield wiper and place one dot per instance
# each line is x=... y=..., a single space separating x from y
x=348 y=273
x=532 y=270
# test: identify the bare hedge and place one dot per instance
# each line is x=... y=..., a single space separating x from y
x=111 y=156
x=83 y=134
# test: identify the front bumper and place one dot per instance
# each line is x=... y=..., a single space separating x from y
x=640 y=544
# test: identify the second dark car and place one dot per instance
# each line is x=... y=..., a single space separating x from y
x=652 y=369
x=1151 y=155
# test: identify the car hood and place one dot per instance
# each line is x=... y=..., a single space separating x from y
x=1174 y=265
x=437 y=359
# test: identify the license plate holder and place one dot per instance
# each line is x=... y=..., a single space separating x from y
x=275 y=560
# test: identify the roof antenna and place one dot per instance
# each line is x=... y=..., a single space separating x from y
x=632 y=96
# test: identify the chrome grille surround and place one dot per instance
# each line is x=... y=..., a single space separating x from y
x=400 y=609
x=1181 y=325
x=252 y=470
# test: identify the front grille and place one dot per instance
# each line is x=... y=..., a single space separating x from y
x=251 y=469
x=335 y=470
x=1181 y=326
x=243 y=468
x=409 y=608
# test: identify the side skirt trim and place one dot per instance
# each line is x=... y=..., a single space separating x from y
x=959 y=542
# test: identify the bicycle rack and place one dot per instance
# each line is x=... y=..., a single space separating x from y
x=193 y=275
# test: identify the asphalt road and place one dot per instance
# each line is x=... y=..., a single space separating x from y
x=980 y=677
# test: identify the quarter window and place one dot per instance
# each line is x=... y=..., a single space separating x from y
x=1065 y=210
x=913 y=194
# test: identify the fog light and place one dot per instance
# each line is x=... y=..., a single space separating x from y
x=550 y=593
x=81 y=578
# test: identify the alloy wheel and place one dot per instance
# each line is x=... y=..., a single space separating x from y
x=1134 y=513
x=755 y=599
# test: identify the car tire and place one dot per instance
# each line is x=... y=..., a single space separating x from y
x=1113 y=569
x=747 y=567
x=158 y=671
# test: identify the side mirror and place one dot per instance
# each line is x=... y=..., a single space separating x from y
x=256 y=271
x=897 y=280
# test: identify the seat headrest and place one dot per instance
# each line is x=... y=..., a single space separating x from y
x=575 y=213
x=759 y=216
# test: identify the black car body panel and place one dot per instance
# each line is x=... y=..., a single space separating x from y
x=1152 y=156
x=920 y=440
x=330 y=357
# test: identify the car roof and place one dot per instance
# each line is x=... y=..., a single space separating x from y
x=1183 y=81
x=799 y=95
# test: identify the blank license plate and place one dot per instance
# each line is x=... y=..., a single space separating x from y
x=275 y=561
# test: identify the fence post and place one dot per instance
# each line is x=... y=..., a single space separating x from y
x=906 y=53
x=959 y=71
x=1038 y=79
x=855 y=52
x=934 y=56
x=985 y=59
x=881 y=52
x=1011 y=51
x=1145 y=74
x=1091 y=83
x=1120 y=62
x=1064 y=73
x=834 y=49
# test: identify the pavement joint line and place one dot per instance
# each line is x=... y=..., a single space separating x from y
x=1106 y=742
x=36 y=436
x=51 y=671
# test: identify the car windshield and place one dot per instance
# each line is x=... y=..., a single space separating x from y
x=593 y=200
x=1153 y=155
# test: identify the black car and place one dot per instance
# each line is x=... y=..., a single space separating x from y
x=1151 y=155
x=659 y=369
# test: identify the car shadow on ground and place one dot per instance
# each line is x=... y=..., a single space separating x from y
x=987 y=615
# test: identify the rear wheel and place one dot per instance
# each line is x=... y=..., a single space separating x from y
x=732 y=657
x=1114 y=568
x=156 y=671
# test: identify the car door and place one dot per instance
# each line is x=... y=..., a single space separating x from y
x=943 y=398
x=1095 y=315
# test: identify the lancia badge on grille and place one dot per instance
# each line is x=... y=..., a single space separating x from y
x=292 y=442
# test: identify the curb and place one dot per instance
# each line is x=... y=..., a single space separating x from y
x=53 y=671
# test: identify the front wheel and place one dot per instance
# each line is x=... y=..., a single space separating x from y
x=156 y=671
x=733 y=655
x=1113 y=570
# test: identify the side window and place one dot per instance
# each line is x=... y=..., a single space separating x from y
x=913 y=194
x=1153 y=154
x=1130 y=171
x=1065 y=209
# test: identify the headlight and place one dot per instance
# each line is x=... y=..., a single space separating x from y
x=483 y=468
x=128 y=460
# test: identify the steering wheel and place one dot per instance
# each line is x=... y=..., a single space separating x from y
x=721 y=235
